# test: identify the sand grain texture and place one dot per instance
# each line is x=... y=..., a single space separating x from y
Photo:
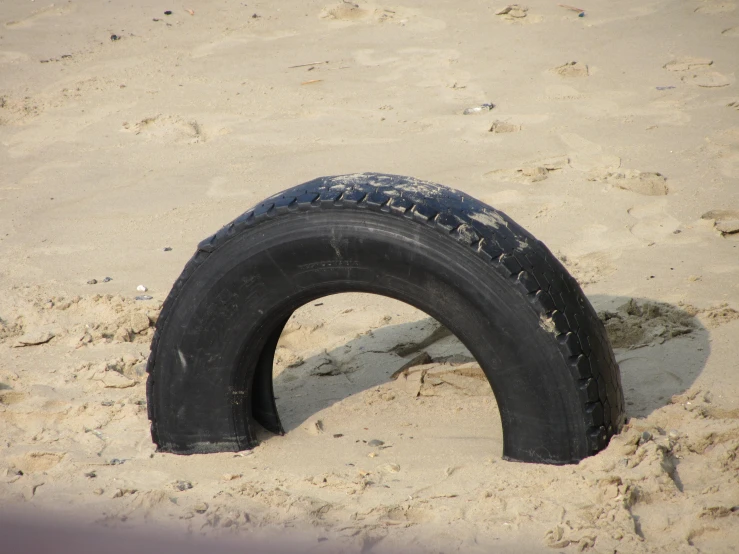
x=117 y=156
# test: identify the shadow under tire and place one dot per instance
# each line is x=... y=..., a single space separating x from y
x=490 y=282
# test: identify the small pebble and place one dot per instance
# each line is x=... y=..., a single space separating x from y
x=107 y=280
x=182 y=485
x=231 y=476
x=141 y=288
x=338 y=435
x=645 y=437
x=168 y=12
x=114 y=37
x=168 y=249
x=107 y=403
x=98 y=491
x=115 y=462
x=92 y=282
x=674 y=435
x=200 y=507
x=375 y=442
x=144 y=297
x=91 y=474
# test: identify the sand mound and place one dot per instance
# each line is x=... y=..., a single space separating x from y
x=636 y=324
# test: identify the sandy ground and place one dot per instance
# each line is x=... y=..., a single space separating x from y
x=128 y=135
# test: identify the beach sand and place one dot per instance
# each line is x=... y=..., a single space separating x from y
x=128 y=135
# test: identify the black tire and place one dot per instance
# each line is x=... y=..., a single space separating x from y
x=496 y=287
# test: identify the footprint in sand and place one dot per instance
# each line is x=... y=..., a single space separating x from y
x=687 y=63
x=344 y=11
x=222 y=47
x=526 y=174
x=640 y=182
x=11 y=57
x=724 y=148
x=585 y=155
x=502 y=127
x=591 y=267
x=515 y=13
x=725 y=222
x=34 y=462
x=711 y=79
x=14 y=110
x=653 y=222
x=9 y=397
x=714 y=7
x=562 y=93
x=531 y=172
x=168 y=129
x=572 y=70
x=698 y=73
x=51 y=10
x=431 y=65
x=349 y=11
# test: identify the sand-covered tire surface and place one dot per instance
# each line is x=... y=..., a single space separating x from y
x=489 y=281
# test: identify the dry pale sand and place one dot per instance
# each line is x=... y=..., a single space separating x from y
x=614 y=139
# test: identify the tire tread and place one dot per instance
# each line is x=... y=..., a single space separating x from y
x=507 y=247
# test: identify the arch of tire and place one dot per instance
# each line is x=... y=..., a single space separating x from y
x=497 y=288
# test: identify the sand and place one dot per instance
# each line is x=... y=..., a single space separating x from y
x=128 y=135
